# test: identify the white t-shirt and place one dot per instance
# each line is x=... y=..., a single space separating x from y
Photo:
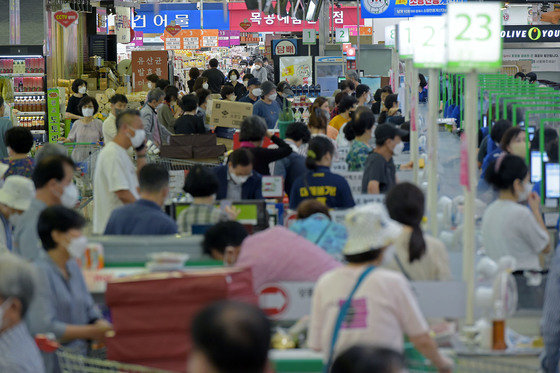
x=109 y=128
x=114 y=171
x=509 y=228
x=383 y=310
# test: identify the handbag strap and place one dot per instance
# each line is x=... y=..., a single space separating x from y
x=404 y=272
x=342 y=315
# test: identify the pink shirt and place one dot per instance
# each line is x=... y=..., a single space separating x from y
x=383 y=310
x=278 y=254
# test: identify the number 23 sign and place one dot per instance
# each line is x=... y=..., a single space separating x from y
x=473 y=37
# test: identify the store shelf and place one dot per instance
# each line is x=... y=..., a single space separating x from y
x=30 y=113
x=29 y=93
x=22 y=75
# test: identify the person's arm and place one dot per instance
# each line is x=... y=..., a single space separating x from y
x=428 y=347
x=373 y=187
x=316 y=324
x=280 y=168
x=26 y=240
x=72 y=135
x=273 y=155
x=539 y=237
x=344 y=195
x=125 y=196
x=148 y=122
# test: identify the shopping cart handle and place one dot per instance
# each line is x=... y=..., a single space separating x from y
x=45 y=344
x=83 y=143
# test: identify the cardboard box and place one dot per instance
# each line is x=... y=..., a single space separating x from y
x=177 y=152
x=207 y=139
x=91 y=84
x=229 y=113
x=213 y=151
x=103 y=84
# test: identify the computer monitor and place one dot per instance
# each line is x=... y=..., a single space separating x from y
x=252 y=212
x=536 y=165
x=341 y=78
x=485 y=121
x=530 y=131
x=552 y=180
x=374 y=83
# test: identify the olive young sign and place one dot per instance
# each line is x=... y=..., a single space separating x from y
x=531 y=34
x=473 y=36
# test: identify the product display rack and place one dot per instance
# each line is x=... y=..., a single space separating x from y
x=23 y=75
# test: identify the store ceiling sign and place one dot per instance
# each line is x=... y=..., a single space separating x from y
x=402 y=8
x=122 y=24
x=428 y=40
x=541 y=59
x=531 y=34
x=284 y=47
x=242 y=19
x=145 y=63
x=185 y=15
x=66 y=18
x=473 y=36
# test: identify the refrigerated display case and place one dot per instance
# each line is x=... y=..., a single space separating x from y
x=23 y=86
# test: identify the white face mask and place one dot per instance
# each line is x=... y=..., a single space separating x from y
x=87 y=112
x=150 y=85
x=257 y=67
x=524 y=196
x=70 y=196
x=77 y=247
x=273 y=96
x=231 y=97
x=205 y=85
x=233 y=78
x=257 y=92
x=138 y=138
x=239 y=180
x=82 y=90
x=3 y=307
x=398 y=148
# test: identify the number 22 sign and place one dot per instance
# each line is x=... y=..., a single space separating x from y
x=473 y=37
x=428 y=40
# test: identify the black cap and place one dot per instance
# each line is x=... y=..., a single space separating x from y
x=384 y=132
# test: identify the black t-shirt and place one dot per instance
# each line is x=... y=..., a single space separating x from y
x=72 y=106
x=216 y=79
x=377 y=168
x=189 y=124
x=239 y=90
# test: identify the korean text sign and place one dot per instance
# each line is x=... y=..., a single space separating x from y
x=402 y=8
x=145 y=63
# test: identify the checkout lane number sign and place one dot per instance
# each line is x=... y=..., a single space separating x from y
x=428 y=40
x=390 y=36
x=404 y=39
x=342 y=35
x=473 y=36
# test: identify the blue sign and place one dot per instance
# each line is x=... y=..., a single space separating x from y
x=402 y=8
x=185 y=15
x=284 y=47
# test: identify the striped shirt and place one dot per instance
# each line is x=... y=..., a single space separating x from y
x=199 y=215
x=18 y=351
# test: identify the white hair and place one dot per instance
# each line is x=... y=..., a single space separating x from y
x=17 y=279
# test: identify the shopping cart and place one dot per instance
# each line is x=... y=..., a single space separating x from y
x=476 y=364
x=85 y=155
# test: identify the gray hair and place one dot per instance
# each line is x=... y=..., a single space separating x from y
x=17 y=280
x=352 y=75
x=49 y=150
x=155 y=95
x=253 y=128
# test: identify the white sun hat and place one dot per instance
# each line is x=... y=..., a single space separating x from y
x=17 y=192
x=369 y=228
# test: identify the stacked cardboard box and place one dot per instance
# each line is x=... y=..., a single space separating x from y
x=152 y=314
x=193 y=147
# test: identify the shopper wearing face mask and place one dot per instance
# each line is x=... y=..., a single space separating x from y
x=115 y=181
x=153 y=128
x=151 y=81
x=202 y=184
x=383 y=307
x=380 y=171
x=204 y=97
x=85 y=130
x=363 y=94
x=168 y=110
x=319 y=182
x=15 y=197
x=238 y=87
x=284 y=92
x=358 y=131
x=254 y=91
x=63 y=305
x=145 y=216
x=19 y=142
x=118 y=103
x=216 y=78
x=200 y=82
x=268 y=108
x=237 y=180
x=228 y=93
x=258 y=71
x=514 y=142
x=508 y=227
x=79 y=89
x=18 y=350
x=53 y=184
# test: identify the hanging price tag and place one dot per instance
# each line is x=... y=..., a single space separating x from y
x=309 y=36
x=342 y=35
x=390 y=36
x=473 y=36
x=428 y=40
x=172 y=43
x=404 y=40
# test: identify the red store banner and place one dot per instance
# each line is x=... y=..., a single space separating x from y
x=244 y=20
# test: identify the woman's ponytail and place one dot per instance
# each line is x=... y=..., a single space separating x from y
x=349 y=132
x=319 y=146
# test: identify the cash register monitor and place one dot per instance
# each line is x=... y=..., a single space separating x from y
x=552 y=180
x=536 y=165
